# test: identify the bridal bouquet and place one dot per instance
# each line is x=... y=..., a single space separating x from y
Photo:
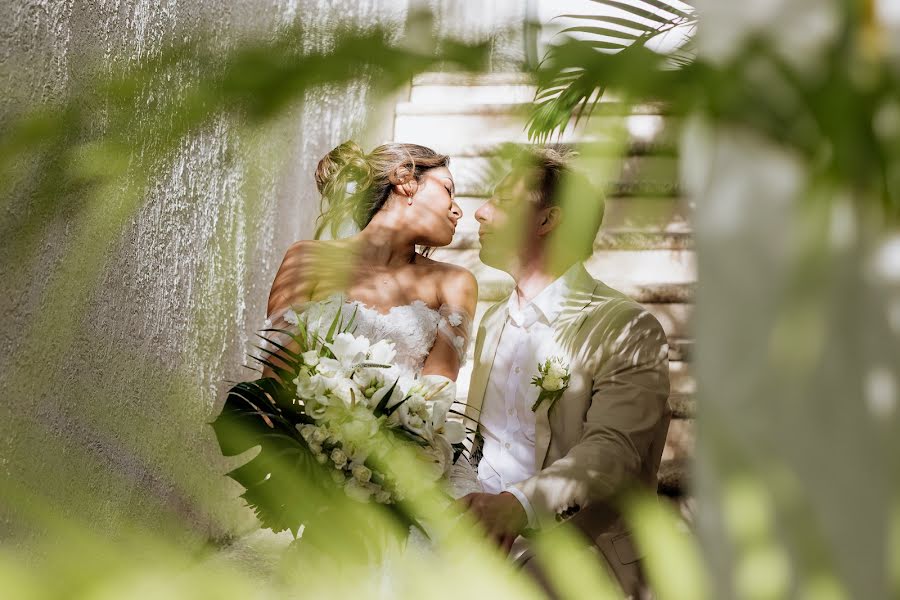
x=333 y=419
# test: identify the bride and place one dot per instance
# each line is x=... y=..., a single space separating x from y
x=400 y=196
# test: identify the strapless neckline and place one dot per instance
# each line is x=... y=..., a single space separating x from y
x=416 y=304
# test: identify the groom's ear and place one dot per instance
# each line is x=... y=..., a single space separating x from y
x=550 y=220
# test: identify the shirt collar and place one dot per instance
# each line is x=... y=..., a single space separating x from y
x=550 y=301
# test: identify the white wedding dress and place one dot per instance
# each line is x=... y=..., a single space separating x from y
x=413 y=329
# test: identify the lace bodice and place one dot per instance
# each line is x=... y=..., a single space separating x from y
x=412 y=328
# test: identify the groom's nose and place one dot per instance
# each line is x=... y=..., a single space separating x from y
x=482 y=215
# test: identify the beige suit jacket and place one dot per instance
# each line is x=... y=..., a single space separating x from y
x=608 y=429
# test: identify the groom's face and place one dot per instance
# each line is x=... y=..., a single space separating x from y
x=507 y=223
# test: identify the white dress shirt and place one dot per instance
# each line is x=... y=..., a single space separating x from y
x=507 y=422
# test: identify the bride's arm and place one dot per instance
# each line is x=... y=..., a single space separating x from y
x=459 y=295
x=291 y=287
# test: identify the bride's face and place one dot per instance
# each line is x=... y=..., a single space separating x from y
x=434 y=212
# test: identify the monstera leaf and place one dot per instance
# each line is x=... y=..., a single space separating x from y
x=284 y=483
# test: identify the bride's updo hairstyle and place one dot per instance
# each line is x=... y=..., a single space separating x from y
x=356 y=185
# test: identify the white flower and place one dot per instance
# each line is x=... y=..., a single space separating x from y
x=438 y=458
x=413 y=415
x=338 y=458
x=319 y=435
x=557 y=369
x=321 y=459
x=338 y=477
x=316 y=407
x=368 y=379
x=416 y=405
x=357 y=490
x=455 y=319
x=382 y=352
x=328 y=367
x=361 y=473
x=306 y=431
x=309 y=386
x=552 y=384
x=453 y=431
x=383 y=497
x=438 y=388
x=348 y=349
x=291 y=317
x=310 y=358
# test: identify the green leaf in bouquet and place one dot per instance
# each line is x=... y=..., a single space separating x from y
x=283 y=482
x=280 y=371
x=300 y=338
x=295 y=357
x=380 y=408
x=352 y=319
x=335 y=325
x=289 y=364
x=388 y=411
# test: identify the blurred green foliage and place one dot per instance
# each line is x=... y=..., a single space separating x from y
x=79 y=159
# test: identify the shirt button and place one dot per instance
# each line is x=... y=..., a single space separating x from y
x=511 y=411
x=506 y=445
x=518 y=370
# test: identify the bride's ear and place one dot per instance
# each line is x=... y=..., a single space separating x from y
x=405 y=183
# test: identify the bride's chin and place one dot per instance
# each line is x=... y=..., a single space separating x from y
x=438 y=241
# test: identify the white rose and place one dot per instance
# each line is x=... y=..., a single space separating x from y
x=455 y=319
x=306 y=431
x=357 y=490
x=552 y=384
x=338 y=458
x=557 y=370
x=319 y=435
x=361 y=473
x=383 y=497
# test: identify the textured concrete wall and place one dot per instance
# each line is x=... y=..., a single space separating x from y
x=113 y=430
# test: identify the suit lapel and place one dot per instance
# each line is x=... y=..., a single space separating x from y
x=566 y=326
x=489 y=332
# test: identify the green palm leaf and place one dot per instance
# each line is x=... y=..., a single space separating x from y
x=565 y=91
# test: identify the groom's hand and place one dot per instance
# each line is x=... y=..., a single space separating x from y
x=502 y=515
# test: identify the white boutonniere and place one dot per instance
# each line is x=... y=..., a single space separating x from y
x=552 y=380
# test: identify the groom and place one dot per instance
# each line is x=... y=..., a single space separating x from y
x=562 y=451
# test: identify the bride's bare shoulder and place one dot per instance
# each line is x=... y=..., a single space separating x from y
x=304 y=265
x=456 y=285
